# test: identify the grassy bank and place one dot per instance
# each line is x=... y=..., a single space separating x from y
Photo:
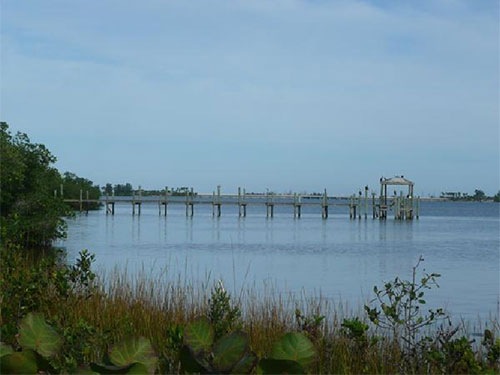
x=92 y=314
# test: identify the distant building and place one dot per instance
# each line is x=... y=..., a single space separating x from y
x=453 y=195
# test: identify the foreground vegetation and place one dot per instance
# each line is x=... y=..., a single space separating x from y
x=174 y=327
x=57 y=317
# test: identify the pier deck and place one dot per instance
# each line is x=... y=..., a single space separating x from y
x=359 y=206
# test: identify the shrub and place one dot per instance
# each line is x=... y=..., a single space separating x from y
x=221 y=314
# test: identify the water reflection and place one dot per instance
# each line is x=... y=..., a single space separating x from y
x=338 y=256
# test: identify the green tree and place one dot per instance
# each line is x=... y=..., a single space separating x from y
x=478 y=195
x=108 y=189
x=125 y=189
x=496 y=198
x=30 y=214
x=73 y=185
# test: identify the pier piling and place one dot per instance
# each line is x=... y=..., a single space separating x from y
x=216 y=203
x=402 y=206
x=366 y=202
x=359 y=205
x=374 y=207
x=324 y=206
x=165 y=201
x=269 y=205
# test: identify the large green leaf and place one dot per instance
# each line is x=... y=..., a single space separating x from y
x=189 y=364
x=294 y=347
x=279 y=366
x=246 y=364
x=199 y=336
x=134 y=350
x=138 y=369
x=36 y=334
x=5 y=349
x=229 y=350
x=19 y=363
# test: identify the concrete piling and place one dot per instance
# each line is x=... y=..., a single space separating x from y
x=359 y=205
x=374 y=207
x=366 y=202
x=324 y=206
x=294 y=205
x=269 y=205
x=165 y=200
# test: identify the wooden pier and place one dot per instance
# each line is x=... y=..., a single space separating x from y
x=403 y=207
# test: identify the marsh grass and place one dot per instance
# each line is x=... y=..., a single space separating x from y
x=156 y=305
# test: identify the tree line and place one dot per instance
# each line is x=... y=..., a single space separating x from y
x=478 y=196
x=32 y=207
x=127 y=189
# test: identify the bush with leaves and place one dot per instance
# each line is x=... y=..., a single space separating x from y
x=170 y=357
x=30 y=283
x=222 y=315
x=492 y=346
x=310 y=325
x=399 y=309
x=453 y=355
x=81 y=343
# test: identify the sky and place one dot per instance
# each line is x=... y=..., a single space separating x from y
x=290 y=95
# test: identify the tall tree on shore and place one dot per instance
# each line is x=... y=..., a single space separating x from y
x=478 y=195
x=73 y=184
x=496 y=198
x=108 y=189
x=30 y=214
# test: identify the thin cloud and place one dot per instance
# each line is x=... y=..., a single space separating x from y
x=397 y=84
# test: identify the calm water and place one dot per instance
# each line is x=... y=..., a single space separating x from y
x=338 y=257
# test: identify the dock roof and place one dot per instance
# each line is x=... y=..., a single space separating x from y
x=398 y=180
